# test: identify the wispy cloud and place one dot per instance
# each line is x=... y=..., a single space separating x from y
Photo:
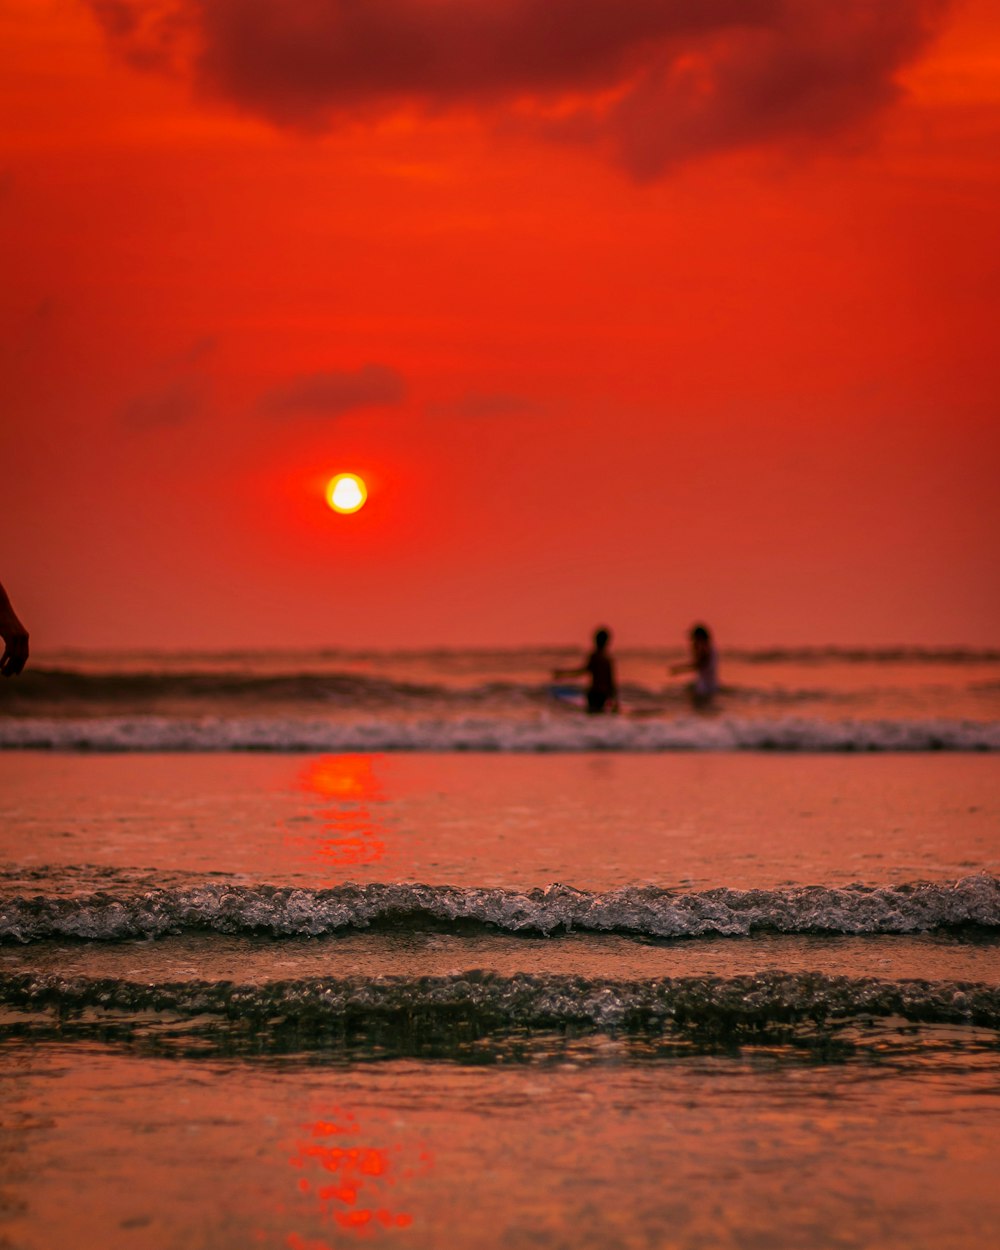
x=177 y=394
x=485 y=404
x=170 y=405
x=334 y=393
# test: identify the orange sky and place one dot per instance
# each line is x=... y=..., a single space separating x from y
x=626 y=318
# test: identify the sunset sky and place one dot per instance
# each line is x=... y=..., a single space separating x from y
x=628 y=311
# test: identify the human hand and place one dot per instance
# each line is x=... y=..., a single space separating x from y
x=15 y=652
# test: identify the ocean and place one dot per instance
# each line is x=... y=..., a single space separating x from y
x=299 y=950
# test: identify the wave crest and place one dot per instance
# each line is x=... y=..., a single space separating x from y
x=642 y=911
x=547 y=733
x=748 y=1007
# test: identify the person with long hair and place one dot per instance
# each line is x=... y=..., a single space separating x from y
x=704 y=663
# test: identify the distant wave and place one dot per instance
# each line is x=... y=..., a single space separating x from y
x=644 y=911
x=397 y=1012
x=445 y=678
x=41 y=684
x=63 y=689
x=866 y=655
x=546 y=732
x=472 y=659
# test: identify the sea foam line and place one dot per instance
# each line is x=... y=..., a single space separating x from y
x=646 y=911
x=543 y=733
x=488 y=1001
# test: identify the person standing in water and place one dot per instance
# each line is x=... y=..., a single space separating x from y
x=15 y=639
x=704 y=663
x=602 y=693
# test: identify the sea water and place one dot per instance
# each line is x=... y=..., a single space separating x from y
x=297 y=951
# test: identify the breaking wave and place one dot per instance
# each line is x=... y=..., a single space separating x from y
x=541 y=733
x=400 y=1013
x=68 y=686
x=640 y=911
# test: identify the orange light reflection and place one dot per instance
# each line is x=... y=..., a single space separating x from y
x=347 y=1184
x=351 y=833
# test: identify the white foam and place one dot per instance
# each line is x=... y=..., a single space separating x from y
x=647 y=910
x=561 y=733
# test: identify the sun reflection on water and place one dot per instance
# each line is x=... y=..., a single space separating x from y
x=351 y=833
x=353 y=1187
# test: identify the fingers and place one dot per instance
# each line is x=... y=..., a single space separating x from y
x=15 y=656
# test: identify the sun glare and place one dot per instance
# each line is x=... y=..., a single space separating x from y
x=346 y=492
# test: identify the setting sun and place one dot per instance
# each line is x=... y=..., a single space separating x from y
x=346 y=492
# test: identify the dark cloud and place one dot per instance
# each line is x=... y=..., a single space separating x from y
x=335 y=393
x=120 y=18
x=151 y=34
x=649 y=82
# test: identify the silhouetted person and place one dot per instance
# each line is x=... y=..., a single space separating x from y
x=602 y=693
x=704 y=663
x=15 y=639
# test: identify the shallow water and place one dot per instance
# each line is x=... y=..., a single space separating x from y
x=415 y=953
x=591 y=821
x=296 y=1001
x=592 y=1147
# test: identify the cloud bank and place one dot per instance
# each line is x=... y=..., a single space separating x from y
x=648 y=83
